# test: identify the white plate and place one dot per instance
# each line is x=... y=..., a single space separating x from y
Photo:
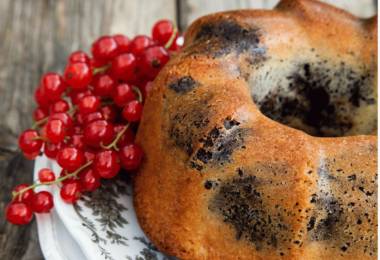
x=102 y=225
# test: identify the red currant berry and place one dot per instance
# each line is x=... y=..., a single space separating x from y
x=38 y=114
x=152 y=60
x=28 y=143
x=26 y=196
x=98 y=131
x=42 y=202
x=105 y=49
x=127 y=137
x=53 y=85
x=89 y=155
x=55 y=130
x=78 y=94
x=31 y=156
x=59 y=106
x=133 y=110
x=96 y=64
x=71 y=191
x=104 y=84
x=109 y=112
x=79 y=56
x=70 y=158
x=78 y=119
x=18 y=213
x=130 y=156
x=92 y=117
x=77 y=140
x=106 y=163
x=66 y=119
x=162 y=32
x=89 y=180
x=77 y=129
x=123 y=66
x=41 y=98
x=122 y=94
x=88 y=104
x=46 y=175
x=124 y=43
x=144 y=89
x=78 y=75
x=52 y=149
x=140 y=43
x=63 y=174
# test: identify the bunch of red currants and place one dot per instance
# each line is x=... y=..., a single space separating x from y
x=84 y=119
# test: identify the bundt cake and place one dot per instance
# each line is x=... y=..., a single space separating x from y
x=256 y=138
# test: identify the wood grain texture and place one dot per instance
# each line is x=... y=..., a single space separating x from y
x=193 y=9
x=37 y=37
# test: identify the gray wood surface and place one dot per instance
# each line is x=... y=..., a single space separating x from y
x=37 y=37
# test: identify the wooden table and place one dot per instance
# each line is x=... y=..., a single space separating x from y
x=37 y=37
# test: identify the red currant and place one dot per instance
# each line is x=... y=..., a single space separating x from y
x=144 y=89
x=96 y=64
x=79 y=56
x=105 y=49
x=124 y=43
x=52 y=149
x=92 y=117
x=106 y=163
x=71 y=191
x=70 y=158
x=28 y=143
x=18 y=213
x=78 y=94
x=104 y=84
x=59 y=106
x=39 y=113
x=89 y=155
x=123 y=66
x=152 y=60
x=98 y=131
x=122 y=94
x=162 y=32
x=66 y=119
x=130 y=156
x=26 y=196
x=46 y=175
x=41 y=98
x=127 y=137
x=88 y=104
x=89 y=180
x=63 y=174
x=78 y=119
x=42 y=202
x=109 y=112
x=77 y=129
x=31 y=156
x=53 y=85
x=77 y=140
x=78 y=75
x=55 y=130
x=133 y=110
x=140 y=43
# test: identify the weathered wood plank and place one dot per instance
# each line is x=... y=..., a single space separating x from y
x=37 y=37
x=193 y=9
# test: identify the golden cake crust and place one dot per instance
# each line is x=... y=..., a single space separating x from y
x=220 y=180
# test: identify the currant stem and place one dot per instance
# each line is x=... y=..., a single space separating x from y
x=52 y=182
x=118 y=136
x=102 y=70
x=110 y=103
x=169 y=43
x=36 y=124
x=135 y=89
x=75 y=108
